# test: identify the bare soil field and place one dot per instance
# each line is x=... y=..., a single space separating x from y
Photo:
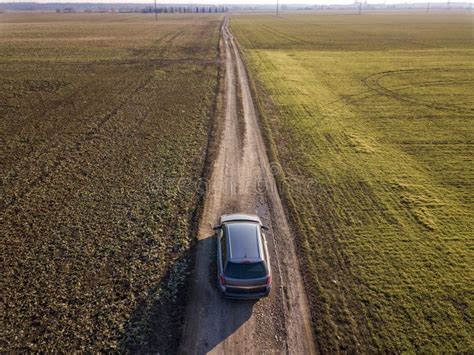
x=371 y=120
x=104 y=128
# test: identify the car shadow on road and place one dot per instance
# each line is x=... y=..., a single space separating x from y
x=156 y=324
x=217 y=317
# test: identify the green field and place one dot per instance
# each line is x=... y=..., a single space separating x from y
x=104 y=124
x=372 y=120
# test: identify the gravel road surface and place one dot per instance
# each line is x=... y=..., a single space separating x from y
x=242 y=181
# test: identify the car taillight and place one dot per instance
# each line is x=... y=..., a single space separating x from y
x=222 y=280
x=269 y=280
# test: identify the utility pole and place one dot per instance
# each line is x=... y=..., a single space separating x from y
x=360 y=7
x=156 y=15
x=277 y=8
x=428 y=8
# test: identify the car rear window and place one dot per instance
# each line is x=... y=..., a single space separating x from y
x=245 y=271
x=243 y=240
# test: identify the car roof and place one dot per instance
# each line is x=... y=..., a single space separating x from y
x=240 y=217
x=243 y=241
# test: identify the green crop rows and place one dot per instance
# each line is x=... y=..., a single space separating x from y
x=372 y=120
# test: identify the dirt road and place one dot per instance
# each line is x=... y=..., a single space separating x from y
x=242 y=181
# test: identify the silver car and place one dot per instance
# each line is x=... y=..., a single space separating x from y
x=243 y=262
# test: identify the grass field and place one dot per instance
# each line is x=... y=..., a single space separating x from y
x=104 y=127
x=371 y=118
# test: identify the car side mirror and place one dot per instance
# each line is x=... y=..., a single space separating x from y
x=265 y=228
x=216 y=228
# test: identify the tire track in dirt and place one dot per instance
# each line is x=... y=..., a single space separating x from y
x=88 y=135
x=241 y=180
x=92 y=131
x=374 y=82
x=126 y=62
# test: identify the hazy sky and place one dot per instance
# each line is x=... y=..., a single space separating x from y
x=224 y=2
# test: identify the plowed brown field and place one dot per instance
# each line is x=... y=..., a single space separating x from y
x=104 y=128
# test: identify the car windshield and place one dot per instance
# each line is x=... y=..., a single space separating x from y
x=245 y=270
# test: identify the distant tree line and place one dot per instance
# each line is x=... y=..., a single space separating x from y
x=185 y=9
x=68 y=10
x=135 y=8
x=149 y=9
